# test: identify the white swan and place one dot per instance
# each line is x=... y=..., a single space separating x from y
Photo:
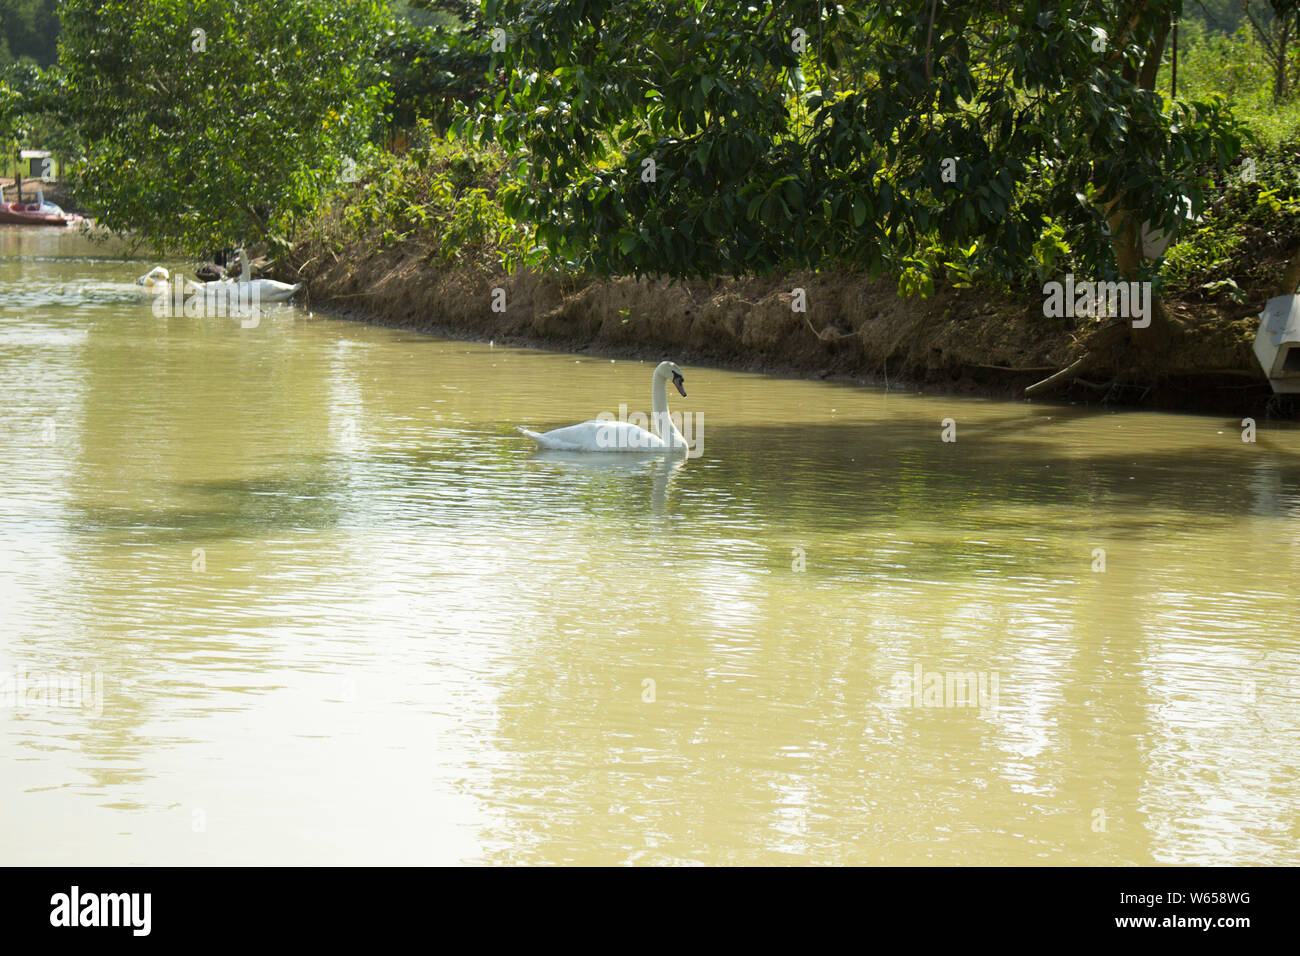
x=246 y=288
x=266 y=290
x=599 y=435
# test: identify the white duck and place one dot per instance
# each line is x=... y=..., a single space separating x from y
x=246 y=287
x=615 y=436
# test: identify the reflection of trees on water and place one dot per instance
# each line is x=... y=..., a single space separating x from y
x=157 y=411
x=766 y=736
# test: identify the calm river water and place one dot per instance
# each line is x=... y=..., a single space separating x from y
x=300 y=593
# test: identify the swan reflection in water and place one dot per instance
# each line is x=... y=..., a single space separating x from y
x=661 y=466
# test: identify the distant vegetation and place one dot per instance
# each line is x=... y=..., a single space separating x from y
x=29 y=32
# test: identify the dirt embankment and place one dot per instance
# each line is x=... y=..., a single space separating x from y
x=958 y=340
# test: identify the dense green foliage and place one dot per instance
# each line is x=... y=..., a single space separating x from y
x=999 y=144
x=32 y=111
x=768 y=156
x=439 y=201
x=432 y=67
x=1258 y=211
x=10 y=103
x=1235 y=67
x=1236 y=253
x=209 y=123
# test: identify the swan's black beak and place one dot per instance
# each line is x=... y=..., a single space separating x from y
x=680 y=383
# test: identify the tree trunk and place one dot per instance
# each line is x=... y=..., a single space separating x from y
x=1151 y=65
x=1279 y=78
x=1127 y=240
x=1291 y=277
x=1125 y=230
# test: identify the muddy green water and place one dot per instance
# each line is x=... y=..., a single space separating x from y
x=300 y=594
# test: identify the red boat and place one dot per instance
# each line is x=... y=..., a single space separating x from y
x=39 y=213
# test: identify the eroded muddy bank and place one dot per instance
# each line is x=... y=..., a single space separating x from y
x=958 y=340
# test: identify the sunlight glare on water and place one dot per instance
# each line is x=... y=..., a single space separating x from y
x=341 y=612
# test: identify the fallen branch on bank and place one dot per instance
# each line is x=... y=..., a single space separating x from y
x=1008 y=368
x=1106 y=338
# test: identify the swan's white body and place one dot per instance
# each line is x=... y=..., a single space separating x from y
x=246 y=288
x=600 y=436
x=612 y=436
x=243 y=289
x=268 y=290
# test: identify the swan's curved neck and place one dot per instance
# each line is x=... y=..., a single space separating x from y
x=659 y=398
x=663 y=423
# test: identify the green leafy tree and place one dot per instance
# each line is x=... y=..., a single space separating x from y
x=433 y=67
x=819 y=133
x=1277 y=26
x=213 y=122
x=22 y=101
x=10 y=105
x=29 y=31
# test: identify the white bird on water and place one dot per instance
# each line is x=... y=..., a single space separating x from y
x=612 y=436
x=155 y=279
x=246 y=288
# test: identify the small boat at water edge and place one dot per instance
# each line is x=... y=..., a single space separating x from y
x=39 y=213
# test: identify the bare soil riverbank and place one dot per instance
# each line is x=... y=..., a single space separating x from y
x=958 y=340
